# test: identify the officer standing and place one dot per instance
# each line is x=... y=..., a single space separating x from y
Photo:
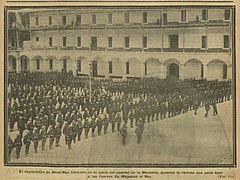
x=10 y=147
x=27 y=142
x=18 y=144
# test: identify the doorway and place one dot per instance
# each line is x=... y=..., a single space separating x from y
x=173 y=70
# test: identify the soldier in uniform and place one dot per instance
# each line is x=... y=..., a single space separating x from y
x=65 y=128
x=35 y=139
x=30 y=126
x=93 y=125
x=119 y=121
x=106 y=123
x=214 y=105
x=51 y=136
x=10 y=147
x=75 y=130
x=131 y=117
x=27 y=142
x=18 y=144
x=43 y=136
x=195 y=106
x=123 y=132
x=139 y=130
x=86 y=126
x=69 y=133
x=80 y=128
x=57 y=133
x=207 y=108
x=21 y=125
x=99 y=125
x=112 y=120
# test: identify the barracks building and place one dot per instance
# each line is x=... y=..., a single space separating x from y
x=123 y=42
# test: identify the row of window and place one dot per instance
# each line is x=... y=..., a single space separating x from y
x=110 y=67
x=173 y=41
x=79 y=66
x=126 y=18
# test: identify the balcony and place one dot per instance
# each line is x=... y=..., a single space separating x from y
x=157 y=24
x=133 y=49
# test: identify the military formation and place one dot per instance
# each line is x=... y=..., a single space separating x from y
x=46 y=107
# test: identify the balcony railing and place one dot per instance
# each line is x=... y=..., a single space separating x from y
x=156 y=24
x=177 y=50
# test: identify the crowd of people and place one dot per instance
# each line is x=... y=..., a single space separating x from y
x=45 y=105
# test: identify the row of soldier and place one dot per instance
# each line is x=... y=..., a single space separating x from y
x=48 y=105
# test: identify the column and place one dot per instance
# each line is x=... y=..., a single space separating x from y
x=205 y=71
x=18 y=64
x=182 y=71
x=229 y=72
x=163 y=71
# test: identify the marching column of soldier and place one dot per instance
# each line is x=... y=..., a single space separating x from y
x=47 y=105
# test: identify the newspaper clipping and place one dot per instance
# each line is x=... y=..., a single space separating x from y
x=119 y=90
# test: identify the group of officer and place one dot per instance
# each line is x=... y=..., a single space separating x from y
x=47 y=105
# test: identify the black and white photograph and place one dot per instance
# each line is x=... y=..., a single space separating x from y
x=130 y=86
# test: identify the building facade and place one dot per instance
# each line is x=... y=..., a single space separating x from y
x=124 y=43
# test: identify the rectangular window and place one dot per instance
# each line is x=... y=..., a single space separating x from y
x=64 y=41
x=144 y=42
x=226 y=41
x=127 y=67
x=50 y=41
x=37 y=21
x=110 y=42
x=64 y=20
x=37 y=38
x=50 y=64
x=204 y=14
x=145 y=17
x=109 y=18
x=126 y=18
x=183 y=15
x=78 y=19
x=126 y=42
x=227 y=14
x=38 y=64
x=204 y=42
x=50 y=20
x=79 y=65
x=79 y=43
x=110 y=66
x=94 y=19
